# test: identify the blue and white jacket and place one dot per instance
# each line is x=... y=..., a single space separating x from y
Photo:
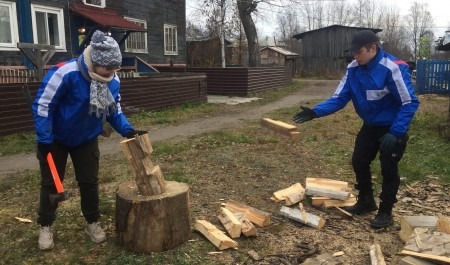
x=381 y=91
x=61 y=107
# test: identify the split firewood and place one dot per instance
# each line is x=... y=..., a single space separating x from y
x=149 y=179
x=333 y=189
x=230 y=222
x=247 y=227
x=282 y=128
x=290 y=195
x=214 y=235
x=443 y=224
x=408 y=223
x=258 y=217
x=376 y=256
x=430 y=257
x=308 y=219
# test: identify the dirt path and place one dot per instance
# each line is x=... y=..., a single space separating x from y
x=313 y=89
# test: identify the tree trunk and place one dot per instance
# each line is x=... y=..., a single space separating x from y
x=146 y=224
x=246 y=8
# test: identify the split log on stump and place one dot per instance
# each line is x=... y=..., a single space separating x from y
x=157 y=223
x=149 y=178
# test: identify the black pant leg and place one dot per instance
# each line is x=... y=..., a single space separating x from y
x=85 y=160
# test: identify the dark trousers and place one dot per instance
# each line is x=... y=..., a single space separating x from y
x=85 y=159
x=367 y=146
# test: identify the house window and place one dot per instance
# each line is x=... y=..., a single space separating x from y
x=98 y=3
x=137 y=41
x=48 y=26
x=9 y=35
x=170 y=40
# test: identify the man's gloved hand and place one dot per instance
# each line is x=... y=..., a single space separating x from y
x=132 y=133
x=43 y=150
x=306 y=114
x=388 y=142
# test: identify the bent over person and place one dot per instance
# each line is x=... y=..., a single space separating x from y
x=71 y=104
x=380 y=87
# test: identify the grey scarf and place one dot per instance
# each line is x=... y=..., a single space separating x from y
x=101 y=103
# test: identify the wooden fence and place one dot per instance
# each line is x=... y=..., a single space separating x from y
x=148 y=93
x=433 y=77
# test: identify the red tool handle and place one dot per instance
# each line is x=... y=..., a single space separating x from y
x=51 y=164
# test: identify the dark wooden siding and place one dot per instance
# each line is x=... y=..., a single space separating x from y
x=156 y=12
x=146 y=93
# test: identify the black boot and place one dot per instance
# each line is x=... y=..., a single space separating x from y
x=365 y=203
x=384 y=217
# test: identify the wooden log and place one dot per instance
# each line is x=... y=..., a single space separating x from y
x=256 y=216
x=331 y=184
x=248 y=229
x=338 y=203
x=430 y=257
x=214 y=235
x=291 y=195
x=157 y=223
x=325 y=192
x=408 y=223
x=230 y=222
x=282 y=128
x=137 y=151
x=308 y=219
x=376 y=256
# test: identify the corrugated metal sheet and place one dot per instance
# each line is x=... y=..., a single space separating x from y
x=146 y=93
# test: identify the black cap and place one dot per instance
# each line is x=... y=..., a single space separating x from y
x=362 y=38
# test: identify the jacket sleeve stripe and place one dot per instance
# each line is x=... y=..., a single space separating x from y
x=399 y=82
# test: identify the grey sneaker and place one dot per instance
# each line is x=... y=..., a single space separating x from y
x=45 y=238
x=96 y=232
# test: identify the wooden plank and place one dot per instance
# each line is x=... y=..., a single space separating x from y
x=308 y=219
x=338 y=203
x=328 y=183
x=408 y=223
x=430 y=257
x=230 y=222
x=291 y=195
x=376 y=256
x=318 y=200
x=214 y=235
x=256 y=216
x=415 y=261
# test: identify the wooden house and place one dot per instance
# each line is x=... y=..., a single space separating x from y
x=207 y=52
x=324 y=50
x=148 y=32
x=278 y=56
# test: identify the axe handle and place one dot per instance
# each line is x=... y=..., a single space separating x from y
x=56 y=179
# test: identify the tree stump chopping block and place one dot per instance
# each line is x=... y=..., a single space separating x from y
x=156 y=223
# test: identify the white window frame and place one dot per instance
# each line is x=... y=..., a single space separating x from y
x=166 y=51
x=142 y=23
x=102 y=4
x=60 y=15
x=14 y=27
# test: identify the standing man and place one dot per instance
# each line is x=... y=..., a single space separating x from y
x=71 y=104
x=379 y=85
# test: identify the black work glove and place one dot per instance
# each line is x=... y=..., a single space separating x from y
x=388 y=142
x=306 y=114
x=132 y=133
x=43 y=150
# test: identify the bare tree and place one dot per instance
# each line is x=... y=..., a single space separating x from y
x=339 y=13
x=393 y=34
x=288 y=26
x=246 y=8
x=419 y=21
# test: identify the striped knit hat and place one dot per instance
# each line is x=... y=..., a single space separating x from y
x=105 y=50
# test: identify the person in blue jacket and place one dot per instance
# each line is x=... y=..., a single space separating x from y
x=380 y=87
x=71 y=105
